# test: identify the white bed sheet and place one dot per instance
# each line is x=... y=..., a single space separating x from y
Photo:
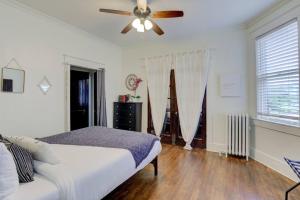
x=96 y=172
x=39 y=189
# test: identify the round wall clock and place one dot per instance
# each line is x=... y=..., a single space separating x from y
x=131 y=82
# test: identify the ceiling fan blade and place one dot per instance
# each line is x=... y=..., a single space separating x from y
x=118 y=12
x=142 y=4
x=167 y=14
x=157 y=29
x=127 y=28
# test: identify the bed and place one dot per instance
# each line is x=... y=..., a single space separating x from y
x=96 y=171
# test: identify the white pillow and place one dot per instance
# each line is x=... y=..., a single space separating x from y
x=41 y=151
x=9 y=181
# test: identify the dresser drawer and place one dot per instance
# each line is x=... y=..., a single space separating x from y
x=125 y=127
x=118 y=104
x=127 y=116
x=127 y=122
x=124 y=113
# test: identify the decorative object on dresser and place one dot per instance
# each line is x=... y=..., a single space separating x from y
x=123 y=98
x=128 y=116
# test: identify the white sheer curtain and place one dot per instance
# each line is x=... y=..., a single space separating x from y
x=158 y=77
x=191 y=74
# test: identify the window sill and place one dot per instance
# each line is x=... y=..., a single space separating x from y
x=277 y=126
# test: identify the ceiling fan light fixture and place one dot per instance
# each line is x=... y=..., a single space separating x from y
x=136 y=23
x=141 y=28
x=144 y=17
x=148 y=25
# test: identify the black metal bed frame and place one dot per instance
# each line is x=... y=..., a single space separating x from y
x=155 y=165
x=289 y=190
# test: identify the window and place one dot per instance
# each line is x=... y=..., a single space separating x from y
x=277 y=57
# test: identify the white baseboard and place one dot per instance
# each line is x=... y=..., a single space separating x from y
x=278 y=165
x=215 y=147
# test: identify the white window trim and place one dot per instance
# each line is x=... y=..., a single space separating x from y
x=278 y=127
x=263 y=120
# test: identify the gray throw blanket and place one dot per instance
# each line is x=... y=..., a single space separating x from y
x=139 y=144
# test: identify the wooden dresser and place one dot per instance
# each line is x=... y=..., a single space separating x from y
x=128 y=116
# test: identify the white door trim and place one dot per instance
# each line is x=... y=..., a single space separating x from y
x=80 y=62
x=67 y=97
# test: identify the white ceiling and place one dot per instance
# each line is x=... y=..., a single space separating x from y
x=200 y=15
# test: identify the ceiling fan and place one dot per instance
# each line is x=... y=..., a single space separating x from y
x=144 y=17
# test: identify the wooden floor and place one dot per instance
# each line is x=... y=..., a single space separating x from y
x=205 y=176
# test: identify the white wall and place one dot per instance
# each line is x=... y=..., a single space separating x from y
x=38 y=42
x=229 y=58
x=271 y=142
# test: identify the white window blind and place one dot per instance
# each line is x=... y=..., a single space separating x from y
x=277 y=54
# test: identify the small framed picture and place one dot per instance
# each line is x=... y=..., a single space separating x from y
x=230 y=85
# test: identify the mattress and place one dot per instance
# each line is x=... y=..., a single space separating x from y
x=96 y=172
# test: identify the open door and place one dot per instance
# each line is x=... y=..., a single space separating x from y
x=80 y=99
x=83 y=97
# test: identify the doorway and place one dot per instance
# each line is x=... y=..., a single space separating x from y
x=171 y=132
x=82 y=97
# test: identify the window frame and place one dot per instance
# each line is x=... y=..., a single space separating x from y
x=277 y=119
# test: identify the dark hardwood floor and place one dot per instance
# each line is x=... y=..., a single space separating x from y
x=204 y=176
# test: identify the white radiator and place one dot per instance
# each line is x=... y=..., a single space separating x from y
x=238 y=135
